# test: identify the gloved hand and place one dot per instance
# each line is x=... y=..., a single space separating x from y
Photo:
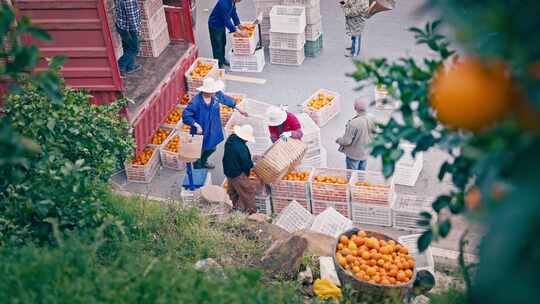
x=199 y=128
x=285 y=135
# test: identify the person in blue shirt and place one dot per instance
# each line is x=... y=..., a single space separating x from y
x=223 y=16
x=203 y=115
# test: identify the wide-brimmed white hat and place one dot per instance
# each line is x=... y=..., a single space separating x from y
x=245 y=132
x=276 y=116
x=211 y=85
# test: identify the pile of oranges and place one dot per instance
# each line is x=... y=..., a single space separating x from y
x=174 y=117
x=226 y=109
x=201 y=70
x=330 y=180
x=375 y=261
x=320 y=101
x=249 y=28
x=186 y=128
x=159 y=137
x=367 y=184
x=296 y=176
x=185 y=100
x=143 y=158
x=173 y=144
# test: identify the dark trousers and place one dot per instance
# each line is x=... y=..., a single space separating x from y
x=130 y=46
x=218 y=39
x=201 y=162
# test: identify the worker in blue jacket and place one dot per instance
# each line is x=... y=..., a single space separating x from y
x=203 y=115
x=223 y=16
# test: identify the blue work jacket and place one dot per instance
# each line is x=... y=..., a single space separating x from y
x=208 y=116
x=224 y=15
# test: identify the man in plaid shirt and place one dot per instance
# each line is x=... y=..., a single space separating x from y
x=128 y=20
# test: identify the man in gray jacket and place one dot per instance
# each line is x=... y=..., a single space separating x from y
x=358 y=134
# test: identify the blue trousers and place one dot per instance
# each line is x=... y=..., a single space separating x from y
x=130 y=46
x=353 y=164
x=356 y=42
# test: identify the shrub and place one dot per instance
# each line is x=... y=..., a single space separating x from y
x=80 y=146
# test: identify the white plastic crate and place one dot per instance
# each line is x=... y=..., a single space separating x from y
x=194 y=82
x=374 y=188
x=307 y=3
x=311 y=132
x=259 y=147
x=331 y=192
x=294 y=218
x=291 y=188
x=322 y=116
x=313 y=151
x=247 y=63
x=424 y=260
x=225 y=112
x=370 y=214
x=408 y=169
x=407 y=211
x=287 y=41
x=152 y=26
x=318 y=207
x=288 y=19
x=143 y=174
x=331 y=222
x=265 y=26
x=156 y=46
x=313 y=9
x=260 y=127
x=313 y=31
x=317 y=162
x=245 y=45
x=263 y=204
x=170 y=159
x=281 y=203
x=265 y=6
x=287 y=57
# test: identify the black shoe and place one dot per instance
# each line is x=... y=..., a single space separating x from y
x=226 y=63
x=133 y=69
x=349 y=48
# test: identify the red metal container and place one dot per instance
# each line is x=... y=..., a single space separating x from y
x=79 y=31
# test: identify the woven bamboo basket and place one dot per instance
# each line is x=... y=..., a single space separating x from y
x=368 y=291
x=281 y=158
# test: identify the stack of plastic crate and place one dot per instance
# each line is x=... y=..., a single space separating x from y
x=333 y=194
x=312 y=138
x=263 y=7
x=154 y=32
x=287 y=35
x=372 y=198
x=320 y=112
x=408 y=168
x=287 y=190
x=244 y=56
x=314 y=39
x=407 y=210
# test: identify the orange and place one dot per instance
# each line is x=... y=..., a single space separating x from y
x=471 y=95
x=350 y=258
x=408 y=273
x=362 y=233
x=344 y=240
x=380 y=262
x=403 y=250
x=473 y=198
x=371 y=271
x=401 y=276
x=377 y=279
x=365 y=255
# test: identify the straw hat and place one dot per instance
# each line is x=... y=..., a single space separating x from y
x=245 y=132
x=210 y=85
x=276 y=116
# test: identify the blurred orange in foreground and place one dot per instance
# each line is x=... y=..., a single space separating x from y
x=471 y=95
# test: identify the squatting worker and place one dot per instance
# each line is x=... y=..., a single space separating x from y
x=358 y=134
x=128 y=21
x=203 y=115
x=283 y=124
x=223 y=16
x=356 y=13
x=237 y=165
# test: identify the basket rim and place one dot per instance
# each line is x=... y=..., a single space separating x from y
x=407 y=284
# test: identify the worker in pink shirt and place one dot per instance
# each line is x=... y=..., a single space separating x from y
x=283 y=124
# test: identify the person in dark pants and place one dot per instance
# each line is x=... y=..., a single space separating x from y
x=223 y=16
x=237 y=166
x=203 y=115
x=128 y=20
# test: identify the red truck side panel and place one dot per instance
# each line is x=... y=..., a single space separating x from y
x=79 y=31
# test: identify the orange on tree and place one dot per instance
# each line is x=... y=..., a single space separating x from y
x=471 y=94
